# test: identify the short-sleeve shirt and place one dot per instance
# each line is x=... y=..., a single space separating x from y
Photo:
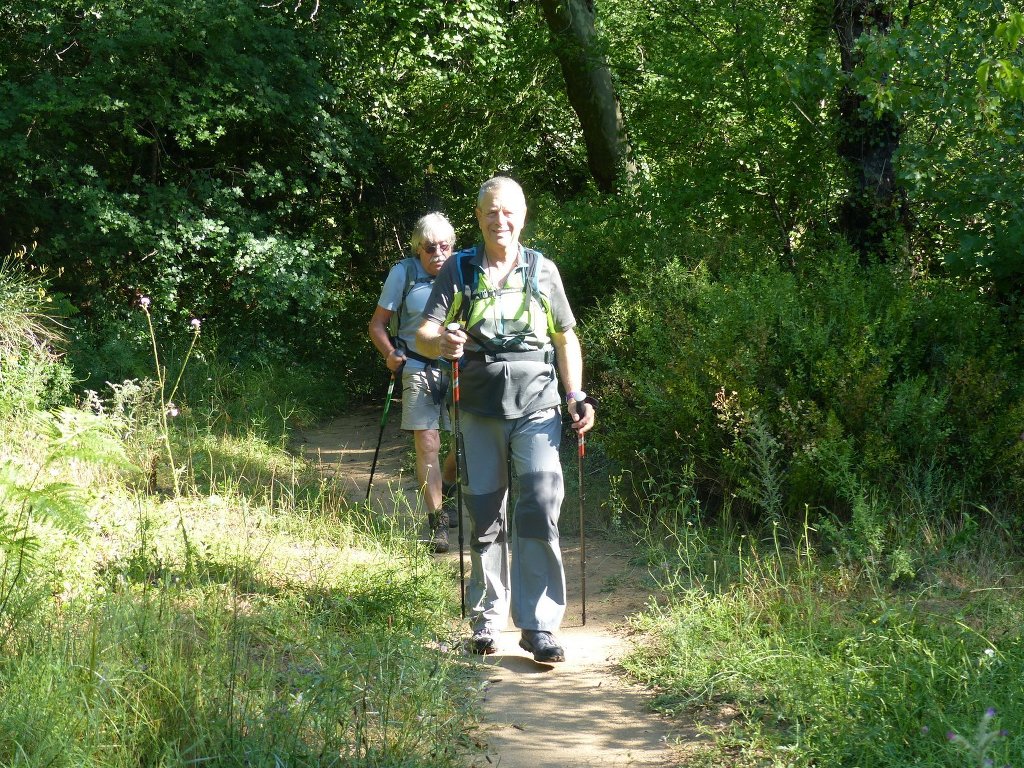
x=410 y=315
x=514 y=317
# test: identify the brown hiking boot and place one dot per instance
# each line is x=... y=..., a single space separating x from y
x=438 y=523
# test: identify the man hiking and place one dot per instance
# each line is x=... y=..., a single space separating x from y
x=393 y=332
x=516 y=328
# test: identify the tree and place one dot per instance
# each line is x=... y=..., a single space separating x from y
x=868 y=136
x=588 y=84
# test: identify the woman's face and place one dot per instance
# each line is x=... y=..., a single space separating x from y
x=434 y=253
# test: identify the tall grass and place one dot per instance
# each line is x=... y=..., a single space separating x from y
x=31 y=375
x=826 y=660
x=233 y=626
x=285 y=643
x=224 y=606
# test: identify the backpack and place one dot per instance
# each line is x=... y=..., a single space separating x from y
x=411 y=279
x=470 y=293
x=438 y=389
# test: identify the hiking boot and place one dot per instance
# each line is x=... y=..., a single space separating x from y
x=482 y=643
x=542 y=645
x=451 y=510
x=438 y=522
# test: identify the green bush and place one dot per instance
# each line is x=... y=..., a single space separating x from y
x=821 y=663
x=809 y=386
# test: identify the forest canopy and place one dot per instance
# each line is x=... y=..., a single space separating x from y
x=793 y=231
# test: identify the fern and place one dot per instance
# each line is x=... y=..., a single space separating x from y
x=35 y=487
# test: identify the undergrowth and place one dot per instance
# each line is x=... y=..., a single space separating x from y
x=798 y=649
x=175 y=592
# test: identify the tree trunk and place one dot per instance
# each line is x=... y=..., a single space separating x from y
x=872 y=217
x=588 y=84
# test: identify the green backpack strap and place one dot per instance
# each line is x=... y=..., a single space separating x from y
x=470 y=280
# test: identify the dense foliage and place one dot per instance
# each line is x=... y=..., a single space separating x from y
x=802 y=305
x=748 y=307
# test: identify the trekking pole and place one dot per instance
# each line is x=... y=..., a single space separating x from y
x=458 y=475
x=383 y=422
x=581 y=445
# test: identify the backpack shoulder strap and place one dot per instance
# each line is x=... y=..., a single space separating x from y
x=411 y=279
x=469 y=278
x=533 y=270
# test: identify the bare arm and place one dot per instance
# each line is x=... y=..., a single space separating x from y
x=570 y=370
x=382 y=340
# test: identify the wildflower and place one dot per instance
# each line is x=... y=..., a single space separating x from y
x=172 y=409
x=990 y=713
x=990 y=652
x=144 y=302
x=924 y=730
x=195 y=324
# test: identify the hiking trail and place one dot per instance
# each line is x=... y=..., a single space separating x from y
x=581 y=712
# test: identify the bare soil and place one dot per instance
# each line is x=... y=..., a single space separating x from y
x=582 y=712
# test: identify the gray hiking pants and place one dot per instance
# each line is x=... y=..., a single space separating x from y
x=534 y=584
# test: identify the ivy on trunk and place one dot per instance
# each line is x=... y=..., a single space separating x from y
x=872 y=214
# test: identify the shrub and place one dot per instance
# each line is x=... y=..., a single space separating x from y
x=811 y=386
x=32 y=374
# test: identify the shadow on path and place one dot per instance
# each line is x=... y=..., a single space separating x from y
x=581 y=712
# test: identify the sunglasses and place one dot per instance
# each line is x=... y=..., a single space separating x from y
x=435 y=247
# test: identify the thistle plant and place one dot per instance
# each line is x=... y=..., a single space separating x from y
x=168 y=409
x=978 y=748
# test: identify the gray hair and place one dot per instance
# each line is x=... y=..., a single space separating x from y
x=433 y=227
x=498 y=182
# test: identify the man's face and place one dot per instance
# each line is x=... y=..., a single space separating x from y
x=433 y=253
x=501 y=215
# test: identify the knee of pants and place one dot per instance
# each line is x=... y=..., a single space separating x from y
x=485 y=512
x=539 y=505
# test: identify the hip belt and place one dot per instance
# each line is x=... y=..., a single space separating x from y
x=526 y=356
x=439 y=385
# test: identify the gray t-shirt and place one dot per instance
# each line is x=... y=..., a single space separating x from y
x=411 y=312
x=507 y=388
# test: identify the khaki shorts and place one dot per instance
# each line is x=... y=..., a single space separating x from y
x=418 y=408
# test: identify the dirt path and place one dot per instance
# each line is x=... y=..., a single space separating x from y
x=581 y=712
